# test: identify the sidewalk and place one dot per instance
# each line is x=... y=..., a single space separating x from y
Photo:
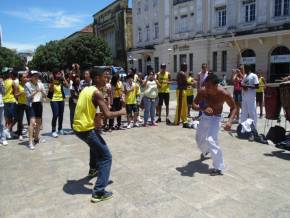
x=156 y=173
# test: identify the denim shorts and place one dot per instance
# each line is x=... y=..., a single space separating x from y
x=9 y=110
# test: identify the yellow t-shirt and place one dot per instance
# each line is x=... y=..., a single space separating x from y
x=189 y=91
x=9 y=96
x=85 y=110
x=21 y=98
x=163 y=79
x=118 y=90
x=261 y=85
x=130 y=97
x=57 y=94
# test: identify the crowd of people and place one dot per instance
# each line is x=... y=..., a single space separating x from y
x=99 y=99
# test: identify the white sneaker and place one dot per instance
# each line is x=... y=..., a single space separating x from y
x=4 y=142
x=20 y=138
x=60 y=132
x=129 y=126
x=54 y=134
x=31 y=146
x=136 y=125
x=7 y=134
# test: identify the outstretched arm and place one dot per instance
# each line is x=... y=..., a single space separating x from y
x=98 y=100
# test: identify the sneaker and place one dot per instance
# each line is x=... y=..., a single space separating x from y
x=101 y=197
x=158 y=120
x=54 y=134
x=168 y=122
x=216 y=172
x=129 y=126
x=136 y=125
x=31 y=146
x=145 y=125
x=203 y=157
x=37 y=141
x=20 y=138
x=93 y=172
x=154 y=125
x=7 y=134
x=4 y=142
x=61 y=132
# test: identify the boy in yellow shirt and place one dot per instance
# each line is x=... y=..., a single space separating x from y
x=131 y=90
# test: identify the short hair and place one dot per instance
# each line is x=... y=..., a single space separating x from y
x=204 y=64
x=96 y=72
x=212 y=78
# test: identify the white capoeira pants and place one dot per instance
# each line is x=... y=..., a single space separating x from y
x=207 y=139
x=249 y=109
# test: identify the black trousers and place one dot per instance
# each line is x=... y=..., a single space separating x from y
x=117 y=105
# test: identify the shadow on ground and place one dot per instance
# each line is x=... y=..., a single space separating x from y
x=193 y=167
x=279 y=154
x=77 y=187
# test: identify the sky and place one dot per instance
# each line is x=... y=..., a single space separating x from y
x=27 y=24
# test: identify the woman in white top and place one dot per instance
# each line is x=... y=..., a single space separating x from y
x=35 y=93
x=150 y=98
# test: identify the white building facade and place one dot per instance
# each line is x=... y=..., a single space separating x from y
x=222 y=33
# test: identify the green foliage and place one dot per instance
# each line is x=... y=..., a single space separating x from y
x=9 y=58
x=86 y=50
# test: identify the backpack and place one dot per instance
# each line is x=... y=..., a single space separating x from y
x=276 y=134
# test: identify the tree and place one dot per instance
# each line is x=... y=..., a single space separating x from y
x=9 y=58
x=47 y=57
x=86 y=50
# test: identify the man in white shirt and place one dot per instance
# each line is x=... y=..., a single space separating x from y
x=202 y=75
x=249 y=84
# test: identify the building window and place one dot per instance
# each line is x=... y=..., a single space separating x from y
x=140 y=67
x=146 y=6
x=221 y=14
x=138 y=8
x=139 y=35
x=156 y=64
x=224 y=61
x=156 y=30
x=182 y=59
x=250 y=10
x=282 y=8
x=175 y=63
x=183 y=25
x=147 y=33
x=214 y=61
x=191 y=62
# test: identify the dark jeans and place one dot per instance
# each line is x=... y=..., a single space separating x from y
x=57 y=108
x=72 y=108
x=117 y=105
x=100 y=156
x=20 y=109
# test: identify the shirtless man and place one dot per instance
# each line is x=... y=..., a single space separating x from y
x=207 y=132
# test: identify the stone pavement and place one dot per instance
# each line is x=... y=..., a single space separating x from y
x=156 y=173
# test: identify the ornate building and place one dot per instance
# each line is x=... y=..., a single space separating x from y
x=222 y=33
x=114 y=25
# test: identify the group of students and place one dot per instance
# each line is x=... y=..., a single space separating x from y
x=21 y=92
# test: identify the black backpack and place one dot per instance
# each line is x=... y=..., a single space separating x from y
x=276 y=134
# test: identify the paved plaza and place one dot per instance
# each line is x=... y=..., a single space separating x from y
x=156 y=173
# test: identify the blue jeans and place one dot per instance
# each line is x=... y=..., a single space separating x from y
x=149 y=108
x=103 y=158
x=57 y=108
x=2 y=135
